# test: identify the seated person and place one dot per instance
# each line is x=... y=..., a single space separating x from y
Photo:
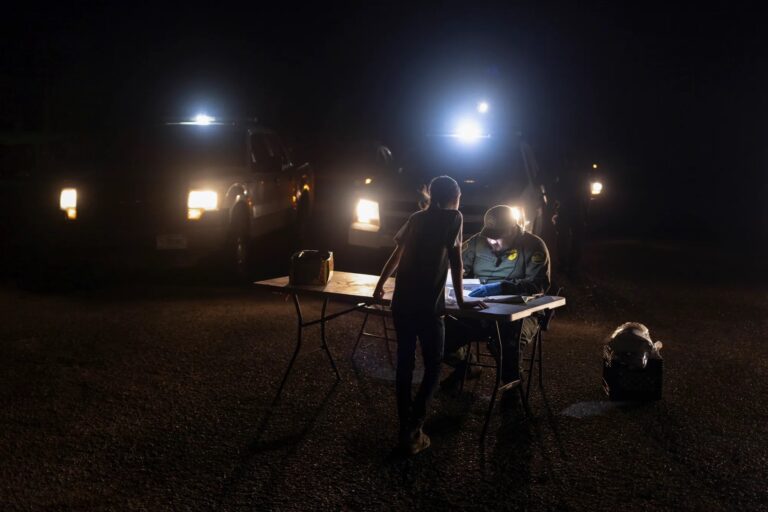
x=508 y=261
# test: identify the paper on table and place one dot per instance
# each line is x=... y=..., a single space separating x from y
x=450 y=295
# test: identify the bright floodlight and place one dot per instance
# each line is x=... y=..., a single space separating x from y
x=482 y=107
x=596 y=188
x=468 y=130
x=203 y=119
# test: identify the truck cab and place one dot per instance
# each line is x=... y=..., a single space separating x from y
x=186 y=188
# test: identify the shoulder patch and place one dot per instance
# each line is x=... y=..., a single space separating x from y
x=538 y=257
x=512 y=256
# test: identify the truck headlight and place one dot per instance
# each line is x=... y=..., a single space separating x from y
x=595 y=188
x=367 y=212
x=201 y=201
x=68 y=202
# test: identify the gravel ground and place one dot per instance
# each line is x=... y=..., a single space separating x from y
x=160 y=397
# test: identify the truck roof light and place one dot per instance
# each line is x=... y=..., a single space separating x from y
x=203 y=119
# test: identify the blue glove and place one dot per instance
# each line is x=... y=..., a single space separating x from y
x=486 y=290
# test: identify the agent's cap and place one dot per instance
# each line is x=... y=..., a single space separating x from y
x=499 y=222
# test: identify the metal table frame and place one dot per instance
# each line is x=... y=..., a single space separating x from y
x=360 y=294
x=497 y=366
x=301 y=324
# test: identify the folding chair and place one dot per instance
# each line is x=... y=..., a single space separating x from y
x=383 y=312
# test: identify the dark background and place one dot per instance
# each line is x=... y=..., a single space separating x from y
x=670 y=101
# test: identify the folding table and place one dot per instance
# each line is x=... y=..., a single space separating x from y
x=358 y=289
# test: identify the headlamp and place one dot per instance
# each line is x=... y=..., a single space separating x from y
x=201 y=201
x=68 y=202
x=367 y=213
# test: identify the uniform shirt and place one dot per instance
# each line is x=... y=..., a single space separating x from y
x=426 y=238
x=523 y=268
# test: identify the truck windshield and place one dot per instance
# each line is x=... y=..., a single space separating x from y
x=152 y=150
x=202 y=146
x=496 y=167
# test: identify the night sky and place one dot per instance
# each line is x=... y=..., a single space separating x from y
x=671 y=102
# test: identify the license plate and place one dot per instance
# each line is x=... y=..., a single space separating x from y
x=166 y=242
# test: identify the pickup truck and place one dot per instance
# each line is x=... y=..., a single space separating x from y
x=491 y=172
x=184 y=189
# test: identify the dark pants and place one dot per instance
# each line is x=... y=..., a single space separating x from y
x=460 y=332
x=430 y=331
x=571 y=230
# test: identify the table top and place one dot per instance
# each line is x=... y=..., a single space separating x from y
x=350 y=287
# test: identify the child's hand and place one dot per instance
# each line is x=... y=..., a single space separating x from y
x=473 y=304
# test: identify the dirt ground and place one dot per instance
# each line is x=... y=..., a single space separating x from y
x=158 y=395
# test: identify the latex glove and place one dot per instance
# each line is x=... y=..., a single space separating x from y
x=487 y=290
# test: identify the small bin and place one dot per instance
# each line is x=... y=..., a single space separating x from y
x=633 y=368
x=310 y=267
x=624 y=382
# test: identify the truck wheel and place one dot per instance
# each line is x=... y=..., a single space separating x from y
x=239 y=250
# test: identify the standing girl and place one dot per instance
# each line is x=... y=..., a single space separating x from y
x=427 y=245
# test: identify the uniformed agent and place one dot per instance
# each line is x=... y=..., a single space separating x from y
x=508 y=261
x=505 y=258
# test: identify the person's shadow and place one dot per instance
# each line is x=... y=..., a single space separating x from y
x=519 y=439
x=508 y=466
x=256 y=447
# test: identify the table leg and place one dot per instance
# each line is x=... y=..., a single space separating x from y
x=497 y=384
x=360 y=335
x=520 y=353
x=324 y=342
x=299 y=331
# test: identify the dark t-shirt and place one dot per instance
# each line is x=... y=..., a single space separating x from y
x=426 y=238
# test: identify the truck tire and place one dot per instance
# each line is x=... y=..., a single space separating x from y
x=239 y=248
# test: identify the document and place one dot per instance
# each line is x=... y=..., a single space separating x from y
x=450 y=295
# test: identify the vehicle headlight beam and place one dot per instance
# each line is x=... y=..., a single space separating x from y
x=367 y=212
x=68 y=202
x=201 y=201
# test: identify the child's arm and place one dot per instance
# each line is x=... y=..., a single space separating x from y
x=389 y=267
x=457 y=275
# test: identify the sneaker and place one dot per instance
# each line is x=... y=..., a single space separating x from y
x=420 y=443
